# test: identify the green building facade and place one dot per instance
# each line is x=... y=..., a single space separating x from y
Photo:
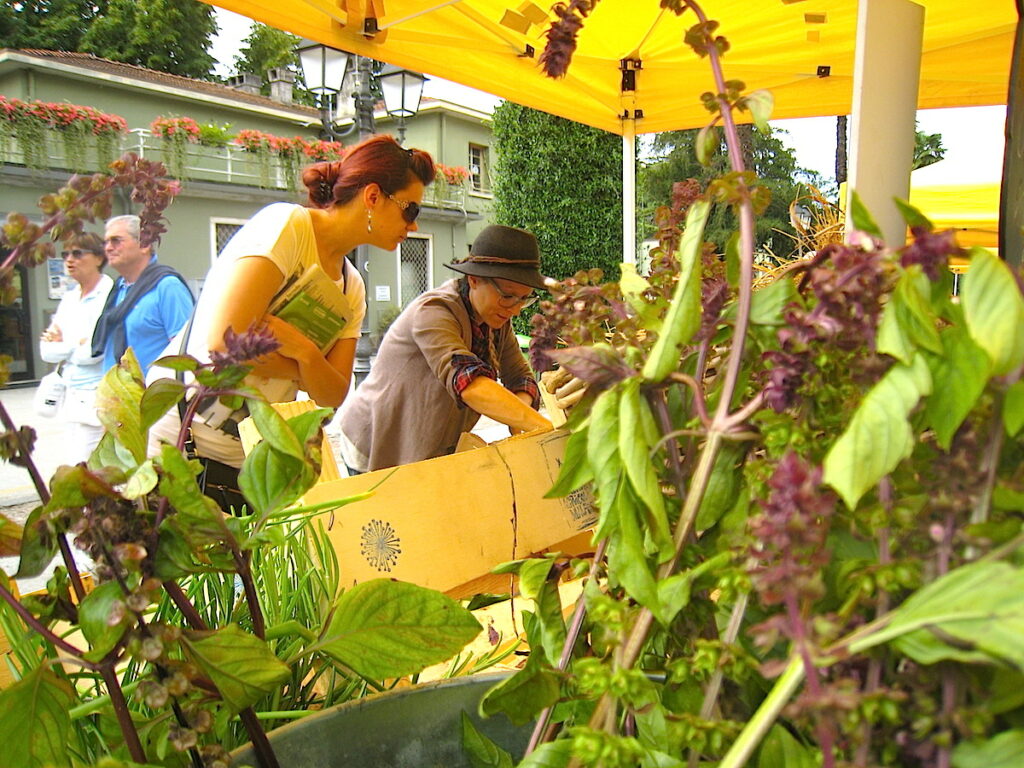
x=222 y=186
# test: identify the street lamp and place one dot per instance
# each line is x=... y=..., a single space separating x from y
x=403 y=90
x=325 y=71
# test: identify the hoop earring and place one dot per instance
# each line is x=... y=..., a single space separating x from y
x=369 y=221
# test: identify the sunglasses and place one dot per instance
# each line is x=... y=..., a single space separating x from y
x=76 y=253
x=410 y=209
x=509 y=300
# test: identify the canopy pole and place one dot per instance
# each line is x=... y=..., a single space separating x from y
x=629 y=193
x=887 y=70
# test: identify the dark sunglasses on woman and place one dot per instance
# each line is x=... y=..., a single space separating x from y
x=410 y=209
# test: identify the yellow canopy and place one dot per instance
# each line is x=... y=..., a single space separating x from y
x=971 y=209
x=782 y=45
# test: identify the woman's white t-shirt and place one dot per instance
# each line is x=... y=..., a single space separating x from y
x=282 y=233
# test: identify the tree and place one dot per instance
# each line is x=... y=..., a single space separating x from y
x=928 y=149
x=266 y=48
x=50 y=25
x=167 y=35
x=562 y=181
x=675 y=159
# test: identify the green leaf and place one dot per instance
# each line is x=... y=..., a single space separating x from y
x=274 y=429
x=767 y=303
x=633 y=449
x=674 y=594
x=1007 y=498
x=959 y=377
x=1013 y=408
x=117 y=401
x=271 y=480
x=912 y=215
x=524 y=695
x=197 y=518
x=242 y=666
x=633 y=288
x=77 y=486
x=878 y=436
x=158 y=399
x=707 y=144
x=94 y=619
x=861 y=218
x=994 y=310
x=535 y=585
x=38 y=545
x=177 y=363
x=908 y=321
x=972 y=614
x=627 y=559
x=1005 y=750
x=732 y=260
x=603 y=446
x=683 y=318
x=723 y=486
x=481 y=751
x=760 y=103
x=553 y=754
x=10 y=537
x=35 y=725
x=112 y=455
x=781 y=750
x=306 y=426
x=574 y=469
x=384 y=629
x=142 y=481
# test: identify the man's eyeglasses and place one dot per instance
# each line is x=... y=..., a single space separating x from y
x=116 y=240
x=410 y=208
x=75 y=253
x=509 y=300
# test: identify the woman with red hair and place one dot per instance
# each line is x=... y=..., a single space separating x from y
x=371 y=197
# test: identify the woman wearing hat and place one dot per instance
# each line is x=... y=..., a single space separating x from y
x=438 y=367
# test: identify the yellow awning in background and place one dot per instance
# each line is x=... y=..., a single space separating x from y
x=781 y=45
x=971 y=209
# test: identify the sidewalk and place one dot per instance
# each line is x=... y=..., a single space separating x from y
x=15 y=484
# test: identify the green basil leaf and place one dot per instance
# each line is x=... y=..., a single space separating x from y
x=141 y=481
x=117 y=402
x=271 y=480
x=959 y=377
x=383 y=629
x=481 y=751
x=158 y=399
x=524 y=695
x=912 y=215
x=638 y=465
x=1005 y=750
x=94 y=619
x=994 y=310
x=574 y=470
x=1013 y=408
x=274 y=429
x=242 y=666
x=35 y=726
x=768 y=303
x=760 y=103
x=861 y=218
x=684 y=314
x=879 y=435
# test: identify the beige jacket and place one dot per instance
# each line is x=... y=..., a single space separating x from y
x=407 y=409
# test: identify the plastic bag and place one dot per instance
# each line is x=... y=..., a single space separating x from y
x=49 y=396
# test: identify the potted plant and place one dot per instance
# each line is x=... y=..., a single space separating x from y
x=164 y=679
x=177 y=134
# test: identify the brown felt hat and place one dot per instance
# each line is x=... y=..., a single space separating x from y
x=504 y=252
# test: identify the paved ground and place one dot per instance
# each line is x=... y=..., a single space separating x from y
x=18 y=496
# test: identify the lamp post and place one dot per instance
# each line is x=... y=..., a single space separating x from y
x=403 y=90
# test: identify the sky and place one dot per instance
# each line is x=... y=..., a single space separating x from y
x=972 y=136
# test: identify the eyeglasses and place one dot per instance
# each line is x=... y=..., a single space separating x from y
x=410 y=209
x=76 y=253
x=116 y=240
x=509 y=300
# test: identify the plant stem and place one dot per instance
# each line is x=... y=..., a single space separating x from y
x=570 y=642
x=181 y=601
x=765 y=716
x=260 y=743
x=124 y=717
x=242 y=560
x=43 y=631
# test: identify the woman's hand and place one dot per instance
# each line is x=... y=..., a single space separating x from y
x=294 y=344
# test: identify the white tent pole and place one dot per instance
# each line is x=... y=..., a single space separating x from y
x=887 y=70
x=629 y=194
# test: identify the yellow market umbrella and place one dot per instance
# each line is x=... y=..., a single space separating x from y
x=802 y=51
x=970 y=209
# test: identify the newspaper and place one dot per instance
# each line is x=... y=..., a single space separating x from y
x=314 y=304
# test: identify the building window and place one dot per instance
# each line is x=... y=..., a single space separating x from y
x=479 y=173
x=222 y=230
x=413 y=268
